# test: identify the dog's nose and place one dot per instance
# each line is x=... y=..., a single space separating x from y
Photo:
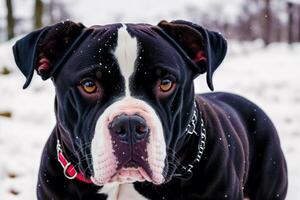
x=129 y=129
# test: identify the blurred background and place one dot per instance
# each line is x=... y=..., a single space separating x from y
x=243 y=20
x=262 y=64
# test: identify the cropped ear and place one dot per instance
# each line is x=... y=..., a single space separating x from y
x=46 y=49
x=205 y=49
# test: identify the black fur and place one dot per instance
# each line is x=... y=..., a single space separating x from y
x=242 y=158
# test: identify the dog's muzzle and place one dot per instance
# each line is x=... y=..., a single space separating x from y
x=128 y=145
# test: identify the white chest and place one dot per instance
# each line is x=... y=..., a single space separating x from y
x=116 y=191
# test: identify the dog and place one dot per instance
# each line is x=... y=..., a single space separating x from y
x=129 y=125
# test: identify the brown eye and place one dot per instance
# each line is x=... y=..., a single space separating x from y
x=89 y=86
x=166 y=85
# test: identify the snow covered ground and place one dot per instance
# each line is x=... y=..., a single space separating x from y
x=269 y=77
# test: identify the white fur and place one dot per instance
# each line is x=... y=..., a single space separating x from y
x=115 y=191
x=104 y=160
x=126 y=53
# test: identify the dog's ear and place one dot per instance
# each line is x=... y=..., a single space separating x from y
x=46 y=49
x=206 y=49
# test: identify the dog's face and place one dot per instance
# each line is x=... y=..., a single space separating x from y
x=124 y=93
x=124 y=99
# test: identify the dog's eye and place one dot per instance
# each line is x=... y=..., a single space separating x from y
x=89 y=86
x=166 y=85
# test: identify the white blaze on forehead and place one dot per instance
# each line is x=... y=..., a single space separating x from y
x=126 y=53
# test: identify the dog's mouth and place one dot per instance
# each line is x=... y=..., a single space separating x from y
x=128 y=173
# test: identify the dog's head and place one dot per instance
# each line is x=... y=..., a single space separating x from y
x=124 y=92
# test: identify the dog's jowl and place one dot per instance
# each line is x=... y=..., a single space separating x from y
x=129 y=125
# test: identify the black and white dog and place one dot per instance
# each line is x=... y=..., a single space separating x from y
x=129 y=126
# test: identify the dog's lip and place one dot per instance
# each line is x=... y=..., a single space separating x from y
x=137 y=174
x=126 y=175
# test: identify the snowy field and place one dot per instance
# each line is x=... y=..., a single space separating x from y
x=269 y=77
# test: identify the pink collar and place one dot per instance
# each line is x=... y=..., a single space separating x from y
x=69 y=170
